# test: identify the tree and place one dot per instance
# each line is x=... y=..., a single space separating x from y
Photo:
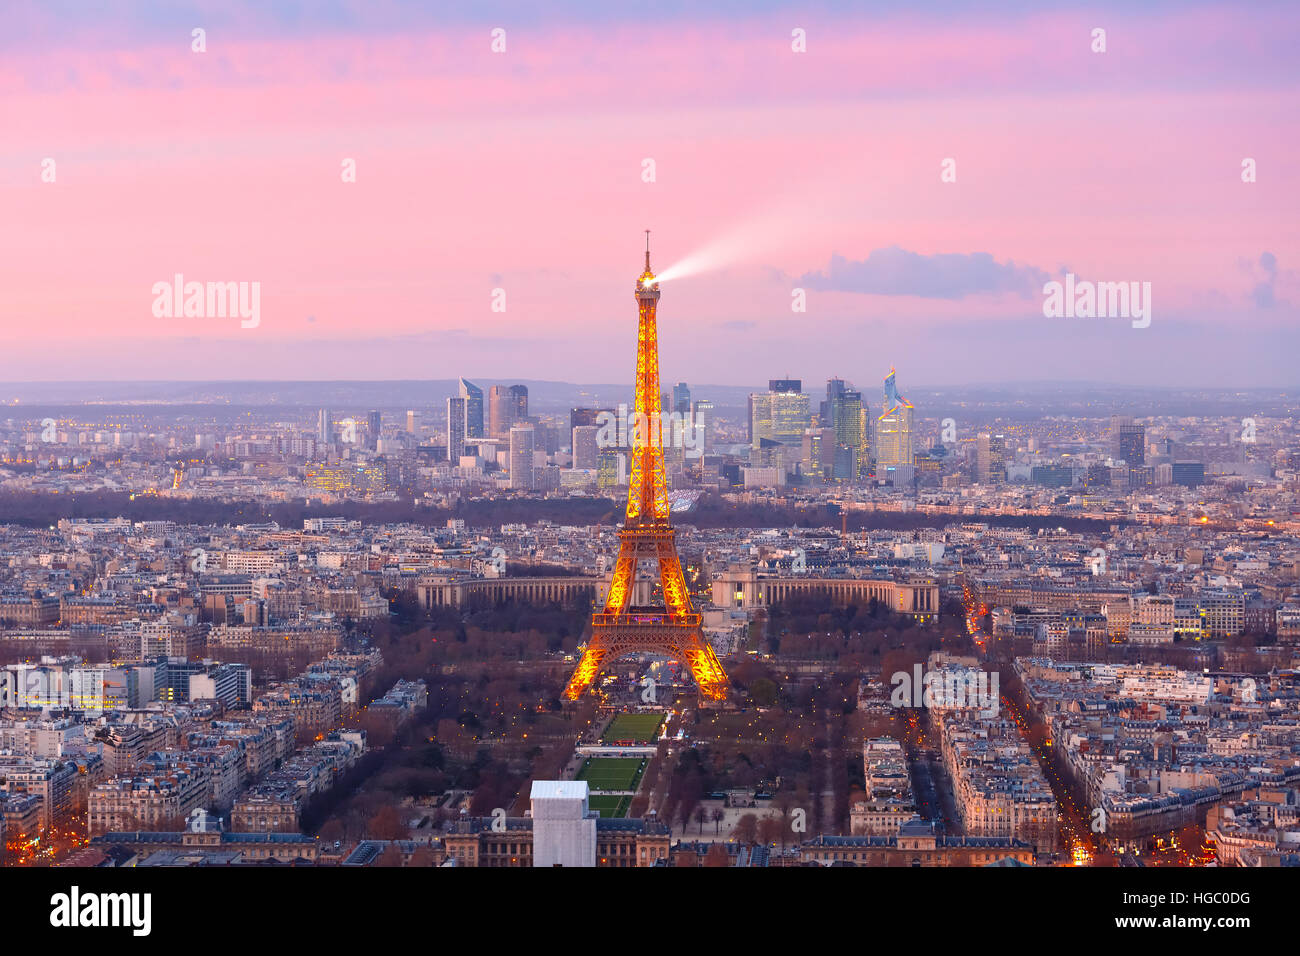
x=717 y=856
x=701 y=815
x=718 y=816
x=771 y=829
x=763 y=692
x=392 y=856
x=785 y=802
x=746 y=828
x=332 y=831
x=386 y=825
x=423 y=856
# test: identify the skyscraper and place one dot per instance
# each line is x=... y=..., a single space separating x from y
x=473 y=396
x=990 y=459
x=324 y=427
x=412 y=421
x=455 y=429
x=681 y=398
x=781 y=414
x=374 y=424
x=702 y=422
x=893 y=429
x=1128 y=441
x=507 y=405
x=588 y=416
x=819 y=453
x=846 y=415
x=611 y=468
x=834 y=389
x=586 y=449
x=522 y=445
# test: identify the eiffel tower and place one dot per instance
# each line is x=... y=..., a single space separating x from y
x=621 y=628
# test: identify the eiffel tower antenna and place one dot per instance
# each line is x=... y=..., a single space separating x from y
x=620 y=628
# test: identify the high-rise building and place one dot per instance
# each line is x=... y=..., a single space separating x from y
x=522 y=446
x=507 y=406
x=611 y=468
x=781 y=414
x=893 y=430
x=586 y=449
x=1097 y=476
x=412 y=422
x=702 y=422
x=500 y=411
x=819 y=453
x=845 y=465
x=846 y=415
x=1188 y=473
x=579 y=417
x=374 y=424
x=324 y=427
x=455 y=429
x=990 y=459
x=835 y=388
x=547 y=437
x=1130 y=442
x=473 y=396
x=681 y=398
x=1116 y=423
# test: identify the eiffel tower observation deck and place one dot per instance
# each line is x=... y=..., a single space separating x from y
x=620 y=628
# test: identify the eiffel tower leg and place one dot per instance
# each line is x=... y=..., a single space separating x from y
x=705 y=667
x=676 y=598
x=620 y=586
x=585 y=673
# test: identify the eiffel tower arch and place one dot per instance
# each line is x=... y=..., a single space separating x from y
x=621 y=628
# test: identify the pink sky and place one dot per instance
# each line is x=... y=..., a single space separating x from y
x=523 y=171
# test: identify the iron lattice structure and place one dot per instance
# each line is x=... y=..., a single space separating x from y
x=647 y=534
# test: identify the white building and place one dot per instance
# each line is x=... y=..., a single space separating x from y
x=564 y=827
x=522 y=446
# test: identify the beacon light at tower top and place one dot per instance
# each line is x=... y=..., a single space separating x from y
x=647 y=278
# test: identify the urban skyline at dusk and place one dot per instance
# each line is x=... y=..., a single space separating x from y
x=727 y=435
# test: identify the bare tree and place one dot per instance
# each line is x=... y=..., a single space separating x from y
x=717 y=856
x=746 y=828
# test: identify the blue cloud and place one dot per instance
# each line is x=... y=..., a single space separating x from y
x=898 y=271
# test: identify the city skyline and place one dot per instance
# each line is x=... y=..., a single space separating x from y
x=932 y=502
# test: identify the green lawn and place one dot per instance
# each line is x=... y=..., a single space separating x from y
x=641 y=728
x=610 y=806
x=612 y=773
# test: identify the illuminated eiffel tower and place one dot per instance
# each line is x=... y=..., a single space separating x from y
x=674 y=629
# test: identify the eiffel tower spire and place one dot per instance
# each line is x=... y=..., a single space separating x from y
x=647 y=534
